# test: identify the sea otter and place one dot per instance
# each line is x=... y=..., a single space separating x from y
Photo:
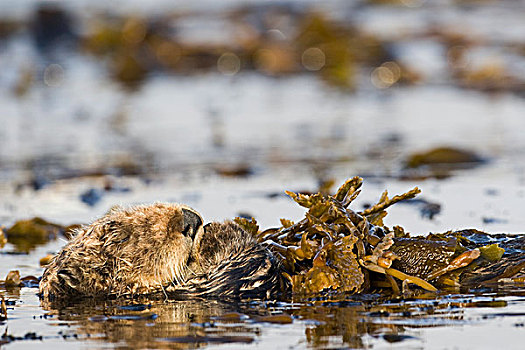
x=160 y=248
x=166 y=249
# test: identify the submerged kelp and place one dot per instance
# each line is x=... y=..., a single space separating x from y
x=337 y=249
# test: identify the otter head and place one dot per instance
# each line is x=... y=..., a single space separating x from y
x=165 y=243
x=127 y=251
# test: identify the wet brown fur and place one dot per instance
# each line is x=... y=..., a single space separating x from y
x=128 y=251
x=147 y=249
x=229 y=262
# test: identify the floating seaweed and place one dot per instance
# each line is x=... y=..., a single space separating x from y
x=444 y=156
x=337 y=249
x=25 y=235
x=46 y=260
x=3 y=240
x=13 y=279
x=3 y=309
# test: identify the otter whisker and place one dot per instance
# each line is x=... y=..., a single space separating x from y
x=164 y=291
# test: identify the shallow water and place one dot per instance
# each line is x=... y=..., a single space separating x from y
x=466 y=321
x=229 y=145
x=479 y=319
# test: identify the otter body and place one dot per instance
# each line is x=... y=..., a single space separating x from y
x=160 y=248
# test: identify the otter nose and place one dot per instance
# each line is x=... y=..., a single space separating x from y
x=192 y=223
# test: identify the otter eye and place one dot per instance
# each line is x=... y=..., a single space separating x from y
x=192 y=223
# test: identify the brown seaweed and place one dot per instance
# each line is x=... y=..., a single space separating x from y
x=336 y=249
x=3 y=309
x=25 y=235
x=3 y=240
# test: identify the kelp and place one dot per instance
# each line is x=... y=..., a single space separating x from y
x=492 y=252
x=327 y=250
x=25 y=235
x=3 y=240
x=46 y=260
x=3 y=309
x=443 y=156
x=13 y=279
x=335 y=249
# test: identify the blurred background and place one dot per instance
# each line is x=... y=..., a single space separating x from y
x=225 y=104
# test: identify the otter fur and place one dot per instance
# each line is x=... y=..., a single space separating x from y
x=160 y=248
x=229 y=262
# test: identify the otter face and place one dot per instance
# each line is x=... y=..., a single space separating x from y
x=128 y=251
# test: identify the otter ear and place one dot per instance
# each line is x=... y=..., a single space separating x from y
x=192 y=223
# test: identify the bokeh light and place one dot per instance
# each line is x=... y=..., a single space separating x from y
x=313 y=59
x=167 y=52
x=386 y=75
x=53 y=75
x=412 y=3
x=229 y=63
x=134 y=31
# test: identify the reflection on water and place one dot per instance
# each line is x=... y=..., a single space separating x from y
x=158 y=324
x=356 y=322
